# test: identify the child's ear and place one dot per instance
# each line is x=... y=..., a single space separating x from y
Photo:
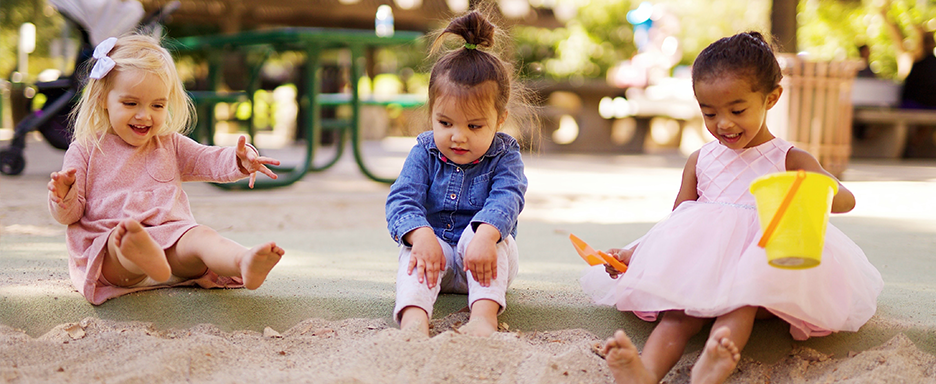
x=774 y=96
x=501 y=120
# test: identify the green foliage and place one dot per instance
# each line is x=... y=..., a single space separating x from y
x=833 y=29
x=599 y=36
x=49 y=24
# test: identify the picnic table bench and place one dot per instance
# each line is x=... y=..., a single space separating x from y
x=312 y=42
x=883 y=129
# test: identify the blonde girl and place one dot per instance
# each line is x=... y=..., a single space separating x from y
x=120 y=193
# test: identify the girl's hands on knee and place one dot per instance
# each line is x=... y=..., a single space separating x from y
x=251 y=162
x=426 y=258
x=60 y=184
x=481 y=255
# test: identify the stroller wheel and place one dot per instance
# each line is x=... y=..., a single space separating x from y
x=12 y=161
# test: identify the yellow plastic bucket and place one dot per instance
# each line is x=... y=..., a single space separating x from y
x=793 y=208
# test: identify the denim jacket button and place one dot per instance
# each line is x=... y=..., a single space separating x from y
x=452 y=196
x=449 y=226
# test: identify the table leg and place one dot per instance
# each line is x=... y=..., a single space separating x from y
x=357 y=56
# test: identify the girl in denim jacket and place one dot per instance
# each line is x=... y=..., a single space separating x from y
x=454 y=208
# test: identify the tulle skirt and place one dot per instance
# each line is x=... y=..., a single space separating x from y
x=703 y=259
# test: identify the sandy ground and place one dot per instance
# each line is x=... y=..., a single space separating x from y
x=98 y=348
x=370 y=351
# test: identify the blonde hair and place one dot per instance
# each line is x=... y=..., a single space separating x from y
x=132 y=52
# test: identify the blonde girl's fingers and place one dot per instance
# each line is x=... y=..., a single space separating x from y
x=267 y=160
x=267 y=171
x=253 y=178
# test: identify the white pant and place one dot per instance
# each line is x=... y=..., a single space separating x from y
x=453 y=279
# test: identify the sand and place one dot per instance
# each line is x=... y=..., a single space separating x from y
x=371 y=351
x=357 y=350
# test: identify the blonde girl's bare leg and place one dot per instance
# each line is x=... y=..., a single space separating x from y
x=722 y=350
x=624 y=361
x=202 y=248
x=132 y=255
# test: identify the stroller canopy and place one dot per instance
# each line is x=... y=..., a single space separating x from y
x=102 y=18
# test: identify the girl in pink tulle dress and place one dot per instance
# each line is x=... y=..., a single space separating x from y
x=130 y=227
x=702 y=263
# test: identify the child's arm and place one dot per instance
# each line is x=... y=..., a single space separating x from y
x=66 y=195
x=797 y=159
x=199 y=162
x=496 y=219
x=688 y=190
x=505 y=197
x=406 y=217
x=481 y=255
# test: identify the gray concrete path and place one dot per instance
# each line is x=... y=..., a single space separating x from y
x=340 y=262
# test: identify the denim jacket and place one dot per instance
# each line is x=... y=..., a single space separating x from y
x=434 y=192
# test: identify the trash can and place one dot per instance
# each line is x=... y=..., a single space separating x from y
x=815 y=110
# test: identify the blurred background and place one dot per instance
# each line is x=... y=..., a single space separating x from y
x=608 y=75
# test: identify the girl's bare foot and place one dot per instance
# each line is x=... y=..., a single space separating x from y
x=414 y=319
x=479 y=327
x=133 y=244
x=257 y=263
x=483 y=319
x=624 y=360
x=719 y=358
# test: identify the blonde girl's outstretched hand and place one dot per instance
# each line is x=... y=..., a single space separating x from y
x=60 y=184
x=251 y=161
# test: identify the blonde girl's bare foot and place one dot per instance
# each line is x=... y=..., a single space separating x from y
x=719 y=358
x=137 y=247
x=257 y=262
x=624 y=361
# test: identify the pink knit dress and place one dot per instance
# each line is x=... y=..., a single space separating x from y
x=704 y=257
x=121 y=181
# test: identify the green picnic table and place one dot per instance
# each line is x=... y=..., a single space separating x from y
x=312 y=42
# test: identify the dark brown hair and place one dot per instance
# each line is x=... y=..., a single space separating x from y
x=747 y=54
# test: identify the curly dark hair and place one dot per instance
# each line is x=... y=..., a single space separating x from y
x=747 y=54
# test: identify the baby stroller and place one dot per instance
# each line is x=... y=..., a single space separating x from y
x=95 y=20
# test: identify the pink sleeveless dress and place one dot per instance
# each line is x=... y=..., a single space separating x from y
x=704 y=259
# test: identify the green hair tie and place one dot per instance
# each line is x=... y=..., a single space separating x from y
x=471 y=46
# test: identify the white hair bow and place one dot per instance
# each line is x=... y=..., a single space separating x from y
x=104 y=64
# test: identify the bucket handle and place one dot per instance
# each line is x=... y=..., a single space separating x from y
x=787 y=199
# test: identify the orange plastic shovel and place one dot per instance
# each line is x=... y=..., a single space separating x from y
x=593 y=257
x=772 y=226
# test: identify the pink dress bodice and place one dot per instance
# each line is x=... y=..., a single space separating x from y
x=725 y=174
